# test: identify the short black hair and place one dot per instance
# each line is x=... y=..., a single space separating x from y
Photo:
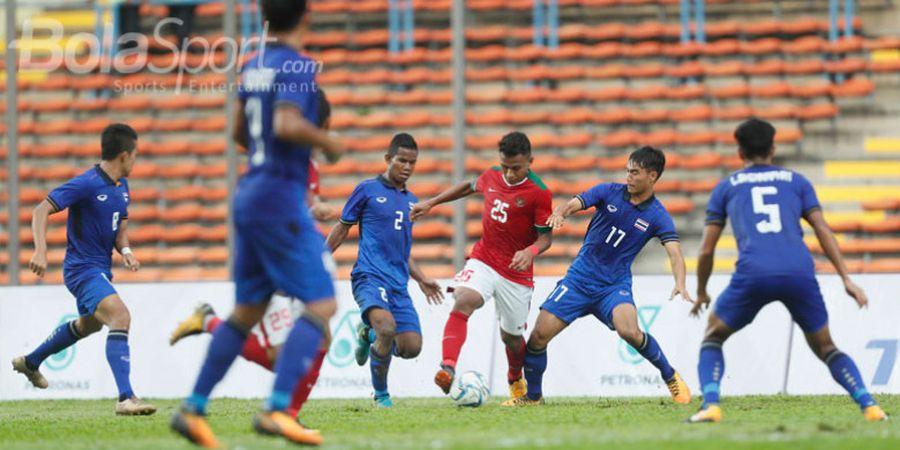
x=117 y=138
x=402 y=140
x=515 y=143
x=650 y=159
x=283 y=15
x=755 y=137
x=324 y=107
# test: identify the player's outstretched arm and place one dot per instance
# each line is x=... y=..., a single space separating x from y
x=122 y=245
x=290 y=125
x=829 y=244
x=711 y=234
x=239 y=130
x=456 y=192
x=337 y=235
x=558 y=218
x=429 y=287
x=673 y=248
x=38 y=263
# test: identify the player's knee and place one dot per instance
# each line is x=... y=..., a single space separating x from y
x=538 y=339
x=467 y=302
x=409 y=350
x=87 y=326
x=386 y=331
x=511 y=341
x=632 y=335
x=120 y=319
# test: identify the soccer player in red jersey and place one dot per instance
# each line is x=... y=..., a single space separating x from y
x=517 y=205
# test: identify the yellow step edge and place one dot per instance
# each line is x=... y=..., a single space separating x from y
x=31 y=76
x=864 y=217
x=862 y=169
x=728 y=242
x=81 y=19
x=882 y=145
x=42 y=45
x=857 y=193
x=724 y=264
x=885 y=55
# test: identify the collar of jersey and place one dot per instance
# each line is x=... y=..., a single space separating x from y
x=388 y=184
x=642 y=205
x=105 y=175
x=517 y=184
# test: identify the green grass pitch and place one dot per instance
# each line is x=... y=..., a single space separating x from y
x=788 y=422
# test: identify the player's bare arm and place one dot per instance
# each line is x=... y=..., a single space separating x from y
x=319 y=208
x=523 y=259
x=122 y=245
x=337 y=235
x=239 y=130
x=679 y=270
x=429 y=286
x=456 y=192
x=830 y=246
x=711 y=234
x=38 y=263
x=290 y=125
x=558 y=218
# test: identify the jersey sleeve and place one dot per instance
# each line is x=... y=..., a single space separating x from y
x=314 y=185
x=543 y=209
x=593 y=196
x=298 y=89
x=354 y=207
x=127 y=198
x=480 y=184
x=716 y=212
x=665 y=229
x=808 y=199
x=69 y=193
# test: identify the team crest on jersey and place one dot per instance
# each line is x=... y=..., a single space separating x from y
x=125 y=196
x=411 y=204
x=520 y=202
x=611 y=208
x=381 y=199
x=102 y=197
x=641 y=224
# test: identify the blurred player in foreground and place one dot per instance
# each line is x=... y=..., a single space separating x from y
x=599 y=281
x=390 y=323
x=516 y=207
x=98 y=222
x=766 y=203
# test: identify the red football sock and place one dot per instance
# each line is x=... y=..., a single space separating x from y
x=454 y=337
x=305 y=386
x=256 y=353
x=516 y=360
x=212 y=324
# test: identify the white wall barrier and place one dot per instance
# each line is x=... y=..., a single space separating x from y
x=586 y=359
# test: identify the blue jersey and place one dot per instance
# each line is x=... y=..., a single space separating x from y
x=765 y=204
x=274 y=187
x=385 y=232
x=97 y=206
x=617 y=233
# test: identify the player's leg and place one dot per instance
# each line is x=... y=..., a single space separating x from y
x=711 y=369
x=382 y=321
x=624 y=321
x=804 y=301
x=472 y=285
x=304 y=388
x=513 y=302
x=66 y=334
x=112 y=312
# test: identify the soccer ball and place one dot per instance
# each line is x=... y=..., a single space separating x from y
x=469 y=389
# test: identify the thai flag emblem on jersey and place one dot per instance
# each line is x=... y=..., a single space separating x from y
x=642 y=225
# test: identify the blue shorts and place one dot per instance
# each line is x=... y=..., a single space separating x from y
x=370 y=292
x=89 y=286
x=288 y=257
x=745 y=296
x=570 y=301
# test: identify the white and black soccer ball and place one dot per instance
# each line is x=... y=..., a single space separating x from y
x=470 y=390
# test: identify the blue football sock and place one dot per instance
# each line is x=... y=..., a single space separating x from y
x=651 y=351
x=296 y=358
x=119 y=358
x=844 y=371
x=379 y=366
x=227 y=343
x=63 y=336
x=710 y=368
x=535 y=365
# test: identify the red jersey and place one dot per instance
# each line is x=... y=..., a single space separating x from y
x=314 y=177
x=513 y=216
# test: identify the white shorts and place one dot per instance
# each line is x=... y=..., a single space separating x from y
x=272 y=331
x=513 y=299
